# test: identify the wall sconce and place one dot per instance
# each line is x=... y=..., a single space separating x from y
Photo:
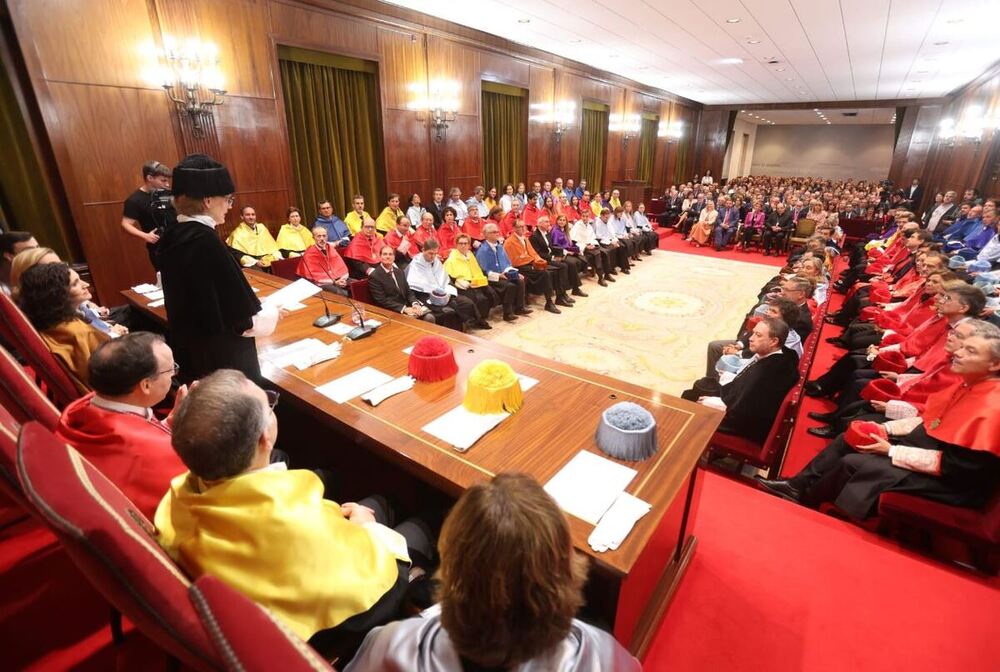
x=439 y=101
x=563 y=116
x=672 y=131
x=629 y=126
x=970 y=127
x=190 y=76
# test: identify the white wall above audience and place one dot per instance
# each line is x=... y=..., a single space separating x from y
x=835 y=152
x=739 y=156
x=754 y=51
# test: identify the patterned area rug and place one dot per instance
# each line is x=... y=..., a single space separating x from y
x=650 y=327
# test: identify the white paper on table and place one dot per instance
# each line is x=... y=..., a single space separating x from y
x=287 y=354
x=256 y=290
x=344 y=328
x=462 y=428
x=318 y=356
x=155 y=304
x=296 y=292
x=295 y=305
x=353 y=384
x=408 y=350
x=145 y=288
x=588 y=485
x=155 y=295
x=527 y=382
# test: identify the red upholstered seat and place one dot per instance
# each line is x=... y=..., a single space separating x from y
x=978 y=528
x=13 y=505
x=112 y=544
x=246 y=636
x=359 y=291
x=21 y=396
x=765 y=455
x=19 y=333
x=285 y=268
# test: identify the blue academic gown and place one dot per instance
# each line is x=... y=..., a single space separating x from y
x=336 y=230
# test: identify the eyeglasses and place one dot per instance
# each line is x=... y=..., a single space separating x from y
x=230 y=199
x=172 y=371
x=272 y=398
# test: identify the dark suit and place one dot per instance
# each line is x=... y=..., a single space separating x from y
x=567 y=267
x=437 y=211
x=390 y=290
x=753 y=397
x=777 y=238
x=804 y=326
x=915 y=194
x=949 y=216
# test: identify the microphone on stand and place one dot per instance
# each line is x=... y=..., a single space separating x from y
x=361 y=331
x=325 y=320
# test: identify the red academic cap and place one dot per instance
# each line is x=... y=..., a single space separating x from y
x=890 y=361
x=859 y=433
x=881 y=389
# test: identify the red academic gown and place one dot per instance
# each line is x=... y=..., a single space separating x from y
x=924 y=336
x=365 y=249
x=419 y=237
x=507 y=224
x=446 y=236
x=966 y=415
x=394 y=240
x=530 y=215
x=917 y=390
x=133 y=452
x=474 y=227
x=321 y=266
x=906 y=321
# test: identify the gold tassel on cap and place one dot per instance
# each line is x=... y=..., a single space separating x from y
x=493 y=387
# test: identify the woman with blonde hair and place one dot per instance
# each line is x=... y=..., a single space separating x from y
x=25 y=260
x=510 y=586
x=701 y=232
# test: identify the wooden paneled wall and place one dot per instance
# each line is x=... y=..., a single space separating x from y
x=104 y=120
x=958 y=165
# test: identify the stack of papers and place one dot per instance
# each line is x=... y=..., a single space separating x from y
x=303 y=354
x=588 y=485
x=617 y=523
x=462 y=428
x=145 y=288
x=354 y=384
x=292 y=294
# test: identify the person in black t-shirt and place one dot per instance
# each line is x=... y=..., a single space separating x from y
x=148 y=209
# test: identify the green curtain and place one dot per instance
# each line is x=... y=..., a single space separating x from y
x=25 y=202
x=504 y=139
x=647 y=149
x=593 y=147
x=334 y=130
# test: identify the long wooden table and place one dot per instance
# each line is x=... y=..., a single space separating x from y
x=559 y=418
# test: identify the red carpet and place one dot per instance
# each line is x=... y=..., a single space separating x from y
x=777 y=587
x=674 y=243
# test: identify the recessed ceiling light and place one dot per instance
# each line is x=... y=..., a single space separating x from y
x=779 y=69
x=524 y=20
x=941 y=44
x=789 y=79
x=576 y=41
x=730 y=61
x=732 y=20
x=643 y=67
x=753 y=41
x=954 y=20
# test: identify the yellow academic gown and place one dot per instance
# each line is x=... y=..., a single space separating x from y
x=386 y=221
x=256 y=244
x=596 y=207
x=295 y=239
x=354 y=221
x=465 y=268
x=272 y=536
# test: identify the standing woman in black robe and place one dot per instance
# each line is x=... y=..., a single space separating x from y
x=212 y=312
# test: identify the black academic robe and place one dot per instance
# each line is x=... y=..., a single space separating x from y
x=753 y=397
x=209 y=303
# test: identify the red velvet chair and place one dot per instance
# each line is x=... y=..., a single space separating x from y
x=13 y=505
x=359 y=291
x=247 y=637
x=18 y=331
x=22 y=397
x=286 y=268
x=113 y=545
x=977 y=529
x=769 y=454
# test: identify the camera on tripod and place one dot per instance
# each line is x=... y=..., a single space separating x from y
x=161 y=207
